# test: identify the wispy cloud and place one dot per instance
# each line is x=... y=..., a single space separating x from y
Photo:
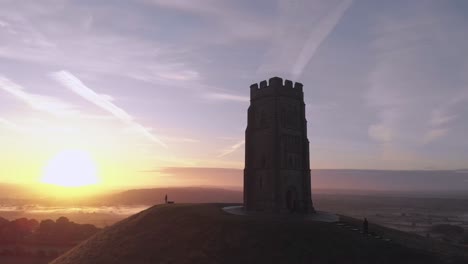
x=318 y=34
x=434 y=134
x=8 y=124
x=443 y=116
x=231 y=149
x=21 y=40
x=381 y=132
x=406 y=91
x=227 y=97
x=179 y=139
x=104 y=102
x=230 y=21
x=303 y=37
x=49 y=104
x=27 y=38
x=440 y=117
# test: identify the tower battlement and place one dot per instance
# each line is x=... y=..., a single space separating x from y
x=275 y=86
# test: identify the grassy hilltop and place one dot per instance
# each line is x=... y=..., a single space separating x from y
x=203 y=233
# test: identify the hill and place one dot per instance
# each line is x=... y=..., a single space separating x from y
x=203 y=233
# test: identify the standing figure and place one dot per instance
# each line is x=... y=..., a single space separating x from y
x=365 y=226
x=165 y=199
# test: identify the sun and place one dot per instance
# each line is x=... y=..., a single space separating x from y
x=71 y=168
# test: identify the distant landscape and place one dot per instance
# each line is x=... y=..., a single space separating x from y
x=425 y=182
x=436 y=198
x=436 y=213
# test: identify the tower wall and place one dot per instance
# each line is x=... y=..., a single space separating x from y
x=277 y=171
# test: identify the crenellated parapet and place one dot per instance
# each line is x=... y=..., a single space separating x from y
x=274 y=87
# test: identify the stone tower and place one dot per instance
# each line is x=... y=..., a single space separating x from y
x=277 y=170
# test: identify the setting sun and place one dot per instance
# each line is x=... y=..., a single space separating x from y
x=71 y=168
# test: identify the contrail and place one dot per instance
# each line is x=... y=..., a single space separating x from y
x=231 y=149
x=318 y=35
x=74 y=84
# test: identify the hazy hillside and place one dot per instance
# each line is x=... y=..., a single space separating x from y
x=381 y=180
x=178 y=195
x=423 y=183
x=392 y=180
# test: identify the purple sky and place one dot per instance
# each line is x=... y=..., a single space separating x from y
x=151 y=83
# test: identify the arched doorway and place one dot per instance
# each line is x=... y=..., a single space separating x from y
x=291 y=199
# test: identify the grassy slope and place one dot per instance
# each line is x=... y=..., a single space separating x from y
x=203 y=233
x=25 y=260
x=449 y=252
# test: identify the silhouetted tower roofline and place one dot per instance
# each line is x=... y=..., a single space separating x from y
x=276 y=87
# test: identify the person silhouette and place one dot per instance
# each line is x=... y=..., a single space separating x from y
x=365 y=226
x=165 y=199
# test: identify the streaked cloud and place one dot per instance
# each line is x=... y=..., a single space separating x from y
x=439 y=117
x=8 y=124
x=413 y=95
x=434 y=134
x=229 y=21
x=303 y=37
x=179 y=139
x=381 y=132
x=227 y=97
x=49 y=104
x=318 y=34
x=26 y=38
x=74 y=84
x=443 y=116
x=232 y=148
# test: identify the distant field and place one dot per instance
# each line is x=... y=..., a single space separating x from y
x=404 y=211
x=410 y=214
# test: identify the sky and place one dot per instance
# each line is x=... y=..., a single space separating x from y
x=138 y=86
